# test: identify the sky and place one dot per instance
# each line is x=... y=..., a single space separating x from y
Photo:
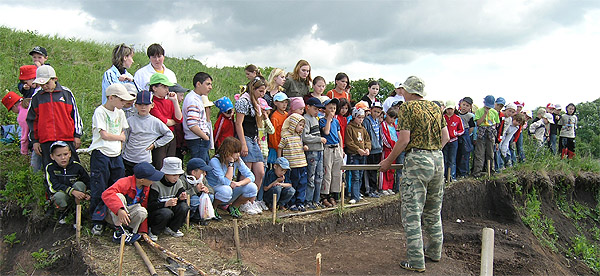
x=536 y=51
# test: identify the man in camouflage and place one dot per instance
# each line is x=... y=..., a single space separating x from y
x=422 y=134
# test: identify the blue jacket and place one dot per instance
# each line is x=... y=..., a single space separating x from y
x=372 y=127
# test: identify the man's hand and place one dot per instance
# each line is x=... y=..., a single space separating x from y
x=385 y=165
x=37 y=148
x=123 y=217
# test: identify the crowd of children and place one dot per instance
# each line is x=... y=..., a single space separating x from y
x=278 y=138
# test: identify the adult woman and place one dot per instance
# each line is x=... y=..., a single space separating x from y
x=371 y=96
x=298 y=83
x=156 y=54
x=222 y=178
x=342 y=87
x=274 y=85
x=122 y=59
x=252 y=72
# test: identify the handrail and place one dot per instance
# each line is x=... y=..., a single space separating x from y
x=372 y=167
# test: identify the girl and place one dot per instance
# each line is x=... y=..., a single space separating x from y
x=228 y=191
x=224 y=126
x=341 y=114
x=567 y=133
x=318 y=89
x=299 y=82
x=342 y=87
x=371 y=96
x=389 y=137
x=122 y=59
x=252 y=72
x=248 y=121
x=274 y=85
x=455 y=129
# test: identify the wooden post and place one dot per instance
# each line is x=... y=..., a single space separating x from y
x=487 y=252
x=149 y=265
x=181 y=271
x=187 y=219
x=78 y=224
x=123 y=236
x=489 y=165
x=236 y=239
x=274 y=207
x=343 y=195
x=318 y=264
x=449 y=176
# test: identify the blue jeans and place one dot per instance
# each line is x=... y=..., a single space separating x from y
x=449 y=151
x=552 y=143
x=314 y=172
x=284 y=195
x=355 y=159
x=298 y=179
x=104 y=171
x=199 y=148
x=520 y=150
x=498 y=160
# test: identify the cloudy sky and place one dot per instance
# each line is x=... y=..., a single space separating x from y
x=536 y=51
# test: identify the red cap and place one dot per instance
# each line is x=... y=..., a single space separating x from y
x=520 y=104
x=550 y=105
x=27 y=72
x=10 y=99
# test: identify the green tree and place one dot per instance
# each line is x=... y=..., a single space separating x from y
x=588 y=128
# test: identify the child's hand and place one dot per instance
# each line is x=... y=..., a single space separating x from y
x=151 y=147
x=171 y=202
x=125 y=78
x=122 y=137
x=323 y=140
x=37 y=63
x=200 y=187
x=305 y=147
x=172 y=96
x=123 y=216
x=37 y=148
x=26 y=86
x=281 y=179
x=367 y=152
x=79 y=195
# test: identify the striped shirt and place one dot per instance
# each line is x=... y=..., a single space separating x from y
x=194 y=114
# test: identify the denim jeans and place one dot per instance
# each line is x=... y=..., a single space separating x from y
x=314 y=171
x=449 y=151
x=283 y=195
x=104 y=171
x=552 y=143
x=520 y=150
x=199 y=148
x=298 y=179
x=355 y=159
x=498 y=160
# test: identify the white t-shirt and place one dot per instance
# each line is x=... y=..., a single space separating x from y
x=142 y=76
x=112 y=122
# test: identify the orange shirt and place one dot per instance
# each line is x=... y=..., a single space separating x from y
x=277 y=120
x=334 y=94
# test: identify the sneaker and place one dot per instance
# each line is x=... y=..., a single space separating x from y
x=234 y=212
x=407 y=266
x=217 y=216
x=352 y=201
x=117 y=235
x=177 y=234
x=385 y=193
x=311 y=206
x=263 y=205
x=326 y=203
x=391 y=192
x=373 y=195
x=153 y=237
x=62 y=218
x=251 y=211
x=318 y=205
x=97 y=229
x=431 y=259
x=301 y=208
x=256 y=207
x=131 y=238
x=293 y=208
x=245 y=207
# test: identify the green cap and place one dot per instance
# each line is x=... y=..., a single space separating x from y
x=160 y=78
x=414 y=85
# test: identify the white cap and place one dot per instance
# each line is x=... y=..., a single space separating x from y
x=43 y=74
x=119 y=90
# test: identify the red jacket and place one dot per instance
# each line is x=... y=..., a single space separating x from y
x=53 y=116
x=224 y=128
x=125 y=186
x=455 y=127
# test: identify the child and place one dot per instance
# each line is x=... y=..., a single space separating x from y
x=505 y=122
x=299 y=81
x=180 y=144
x=318 y=89
x=567 y=132
x=541 y=128
x=53 y=116
x=465 y=144
x=26 y=77
x=195 y=124
x=280 y=100
x=311 y=137
x=297 y=105
x=128 y=107
x=291 y=148
x=167 y=201
x=252 y=72
x=224 y=126
x=39 y=55
x=194 y=183
x=343 y=111
x=389 y=137
x=509 y=131
x=15 y=103
x=333 y=156
x=144 y=134
x=455 y=129
x=486 y=118
x=266 y=129
x=358 y=147
x=342 y=87
x=122 y=59
x=273 y=183
x=127 y=200
x=166 y=108
x=106 y=163
x=274 y=85
x=66 y=179
x=371 y=123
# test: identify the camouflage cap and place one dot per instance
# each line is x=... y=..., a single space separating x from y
x=414 y=85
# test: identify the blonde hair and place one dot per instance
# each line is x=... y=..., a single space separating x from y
x=271 y=84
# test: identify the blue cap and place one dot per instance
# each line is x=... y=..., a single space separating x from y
x=332 y=101
x=283 y=163
x=144 y=97
x=280 y=97
x=224 y=104
x=314 y=102
x=501 y=101
x=488 y=101
x=145 y=171
x=198 y=163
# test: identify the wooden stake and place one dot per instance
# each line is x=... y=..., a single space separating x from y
x=123 y=236
x=187 y=219
x=78 y=224
x=181 y=271
x=274 y=207
x=320 y=210
x=236 y=239
x=149 y=265
x=449 y=177
x=489 y=165
x=343 y=192
x=487 y=252
x=318 y=264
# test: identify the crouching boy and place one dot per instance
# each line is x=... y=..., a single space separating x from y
x=273 y=183
x=194 y=183
x=127 y=200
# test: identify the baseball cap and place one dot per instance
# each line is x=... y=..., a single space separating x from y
x=362 y=105
x=177 y=88
x=332 y=101
x=550 y=105
x=414 y=85
x=131 y=88
x=521 y=104
x=160 y=78
x=314 y=102
x=501 y=101
x=27 y=72
x=396 y=103
x=376 y=104
x=198 y=163
x=510 y=105
x=280 y=97
x=40 y=50
x=549 y=117
x=119 y=90
x=398 y=84
x=145 y=171
x=283 y=163
x=10 y=99
x=43 y=74
x=206 y=102
x=468 y=100
x=296 y=103
x=558 y=106
x=489 y=101
x=263 y=104
x=144 y=97
x=357 y=112
x=450 y=104
x=58 y=144
x=224 y=104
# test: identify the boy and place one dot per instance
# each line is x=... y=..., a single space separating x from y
x=371 y=123
x=333 y=156
x=166 y=108
x=196 y=124
x=486 y=118
x=127 y=200
x=507 y=136
x=465 y=144
x=156 y=54
x=144 y=134
x=108 y=135
x=224 y=126
x=505 y=122
x=280 y=100
x=53 y=116
x=129 y=107
x=273 y=183
x=291 y=148
x=39 y=55
x=311 y=137
x=180 y=145
x=167 y=201
x=26 y=77
x=194 y=183
x=541 y=129
x=358 y=147
x=66 y=179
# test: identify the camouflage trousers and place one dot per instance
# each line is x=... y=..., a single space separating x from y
x=422 y=191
